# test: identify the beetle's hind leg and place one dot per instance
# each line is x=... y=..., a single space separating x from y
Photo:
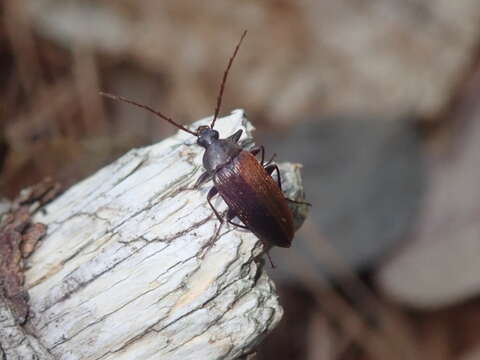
x=298 y=202
x=230 y=215
x=270 y=169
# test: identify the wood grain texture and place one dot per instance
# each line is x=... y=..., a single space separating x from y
x=125 y=270
x=15 y=342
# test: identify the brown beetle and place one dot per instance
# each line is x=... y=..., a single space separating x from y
x=243 y=182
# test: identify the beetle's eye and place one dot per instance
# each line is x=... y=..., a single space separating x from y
x=201 y=141
x=200 y=130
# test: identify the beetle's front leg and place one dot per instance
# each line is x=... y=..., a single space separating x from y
x=202 y=179
x=213 y=191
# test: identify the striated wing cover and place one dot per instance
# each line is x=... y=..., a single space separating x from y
x=246 y=187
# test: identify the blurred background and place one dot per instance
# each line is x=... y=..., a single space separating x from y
x=378 y=99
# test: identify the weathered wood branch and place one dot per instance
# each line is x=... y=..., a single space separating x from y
x=15 y=342
x=125 y=270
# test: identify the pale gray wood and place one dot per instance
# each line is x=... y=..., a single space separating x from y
x=15 y=342
x=125 y=270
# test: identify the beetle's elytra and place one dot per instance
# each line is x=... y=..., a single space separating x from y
x=244 y=183
x=253 y=196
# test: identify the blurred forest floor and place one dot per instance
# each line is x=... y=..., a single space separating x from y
x=301 y=60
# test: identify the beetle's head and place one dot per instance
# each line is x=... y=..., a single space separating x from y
x=206 y=136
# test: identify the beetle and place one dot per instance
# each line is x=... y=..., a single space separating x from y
x=245 y=184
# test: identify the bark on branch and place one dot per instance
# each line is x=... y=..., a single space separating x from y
x=124 y=271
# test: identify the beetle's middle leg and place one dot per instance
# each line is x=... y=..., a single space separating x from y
x=230 y=215
x=260 y=149
x=270 y=169
x=212 y=192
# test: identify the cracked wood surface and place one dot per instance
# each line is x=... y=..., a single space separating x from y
x=15 y=342
x=125 y=270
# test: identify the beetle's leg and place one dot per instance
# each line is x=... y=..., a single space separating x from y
x=271 y=160
x=270 y=259
x=230 y=215
x=211 y=241
x=202 y=179
x=256 y=150
x=298 y=202
x=270 y=169
x=235 y=136
x=213 y=191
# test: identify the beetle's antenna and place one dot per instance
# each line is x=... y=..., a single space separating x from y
x=224 y=79
x=159 y=114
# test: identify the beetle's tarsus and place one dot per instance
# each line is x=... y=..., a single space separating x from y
x=270 y=259
x=298 y=202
